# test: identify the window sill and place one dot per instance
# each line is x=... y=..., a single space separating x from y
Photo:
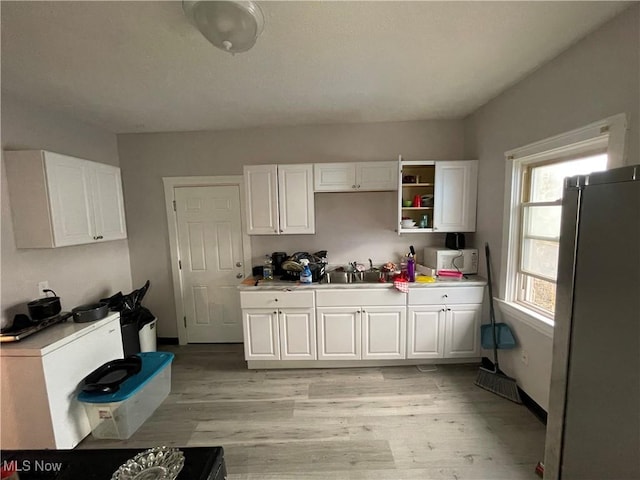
x=536 y=321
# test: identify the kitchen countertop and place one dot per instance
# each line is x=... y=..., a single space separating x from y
x=51 y=338
x=264 y=285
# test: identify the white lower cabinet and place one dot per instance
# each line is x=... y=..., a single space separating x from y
x=462 y=327
x=426 y=332
x=279 y=325
x=361 y=324
x=339 y=333
x=445 y=322
x=384 y=332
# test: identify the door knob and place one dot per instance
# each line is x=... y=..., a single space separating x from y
x=239 y=275
x=238 y=264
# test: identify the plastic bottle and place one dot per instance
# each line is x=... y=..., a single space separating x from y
x=411 y=269
x=267 y=270
x=305 y=274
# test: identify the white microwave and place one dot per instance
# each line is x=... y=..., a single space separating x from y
x=464 y=261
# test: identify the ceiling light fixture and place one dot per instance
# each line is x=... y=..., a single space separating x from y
x=232 y=26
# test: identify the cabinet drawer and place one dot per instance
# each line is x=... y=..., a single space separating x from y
x=445 y=295
x=357 y=297
x=276 y=298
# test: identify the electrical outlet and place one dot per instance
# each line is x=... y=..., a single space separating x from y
x=44 y=285
x=525 y=357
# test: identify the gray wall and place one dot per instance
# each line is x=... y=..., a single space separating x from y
x=78 y=274
x=594 y=79
x=351 y=226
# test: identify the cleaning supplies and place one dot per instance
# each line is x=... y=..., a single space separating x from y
x=305 y=274
x=267 y=270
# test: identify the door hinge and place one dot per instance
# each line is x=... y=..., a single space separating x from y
x=174 y=206
x=185 y=322
x=180 y=264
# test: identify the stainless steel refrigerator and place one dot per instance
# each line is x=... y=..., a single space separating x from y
x=593 y=425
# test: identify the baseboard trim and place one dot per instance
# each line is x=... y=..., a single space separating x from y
x=527 y=401
x=167 y=340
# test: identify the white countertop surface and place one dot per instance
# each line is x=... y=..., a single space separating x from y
x=265 y=285
x=51 y=338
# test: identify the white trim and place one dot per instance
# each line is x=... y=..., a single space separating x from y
x=170 y=184
x=610 y=133
x=536 y=321
x=616 y=129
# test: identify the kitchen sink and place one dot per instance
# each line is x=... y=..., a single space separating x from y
x=369 y=276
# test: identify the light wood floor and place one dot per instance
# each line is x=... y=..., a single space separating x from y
x=390 y=423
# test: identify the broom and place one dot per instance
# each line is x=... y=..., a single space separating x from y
x=495 y=380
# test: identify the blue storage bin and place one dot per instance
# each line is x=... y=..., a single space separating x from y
x=119 y=414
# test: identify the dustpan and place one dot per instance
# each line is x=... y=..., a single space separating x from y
x=504 y=336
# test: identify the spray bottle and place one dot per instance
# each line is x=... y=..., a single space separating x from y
x=305 y=274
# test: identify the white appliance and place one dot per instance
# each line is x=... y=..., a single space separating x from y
x=463 y=261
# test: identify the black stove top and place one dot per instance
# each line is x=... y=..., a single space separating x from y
x=23 y=327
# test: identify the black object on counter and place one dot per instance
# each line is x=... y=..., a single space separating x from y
x=90 y=312
x=45 y=307
x=454 y=241
x=200 y=463
x=278 y=258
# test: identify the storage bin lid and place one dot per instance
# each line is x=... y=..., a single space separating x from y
x=152 y=364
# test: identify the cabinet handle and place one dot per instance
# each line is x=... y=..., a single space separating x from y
x=358 y=186
x=353 y=186
x=100 y=237
x=364 y=311
x=238 y=264
x=448 y=309
x=445 y=296
x=442 y=310
x=276 y=230
x=358 y=311
x=276 y=300
x=275 y=313
x=239 y=275
x=112 y=330
x=281 y=230
x=95 y=238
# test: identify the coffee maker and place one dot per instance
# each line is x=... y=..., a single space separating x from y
x=278 y=258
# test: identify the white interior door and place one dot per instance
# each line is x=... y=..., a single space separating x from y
x=210 y=249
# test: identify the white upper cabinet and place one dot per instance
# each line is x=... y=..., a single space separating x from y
x=279 y=199
x=353 y=177
x=446 y=192
x=58 y=200
x=455 y=195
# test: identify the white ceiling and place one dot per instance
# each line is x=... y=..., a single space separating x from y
x=141 y=67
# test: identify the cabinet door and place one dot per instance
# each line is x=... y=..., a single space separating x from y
x=295 y=199
x=425 y=338
x=68 y=182
x=384 y=332
x=372 y=176
x=463 y=331
x=261 y=193
x=108 y=204
x=455 y=193
x=334 y=177
x=338 y=333
x=260 y=332
x=297 y=333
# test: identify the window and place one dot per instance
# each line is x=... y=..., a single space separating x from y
x=539 y=234
x=533 y=205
